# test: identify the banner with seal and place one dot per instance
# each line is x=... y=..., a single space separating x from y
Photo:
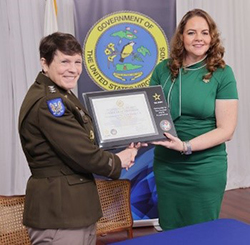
x=122 y=41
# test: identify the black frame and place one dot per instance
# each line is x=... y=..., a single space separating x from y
x=157 y=108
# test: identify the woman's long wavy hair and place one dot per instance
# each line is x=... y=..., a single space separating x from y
x=215 y=53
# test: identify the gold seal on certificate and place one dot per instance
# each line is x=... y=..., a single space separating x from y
x=131 y=115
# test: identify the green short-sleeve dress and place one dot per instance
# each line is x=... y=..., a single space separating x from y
x=190 y=187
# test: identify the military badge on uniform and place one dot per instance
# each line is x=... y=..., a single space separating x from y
x=56 y=107
x=91 y=135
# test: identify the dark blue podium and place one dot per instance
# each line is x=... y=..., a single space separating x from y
x=217 y=232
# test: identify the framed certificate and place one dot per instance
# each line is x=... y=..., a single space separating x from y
x=131 y=115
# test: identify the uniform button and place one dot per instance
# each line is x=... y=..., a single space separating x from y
x=81 y=179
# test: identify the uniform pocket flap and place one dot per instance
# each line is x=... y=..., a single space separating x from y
x=76 y=179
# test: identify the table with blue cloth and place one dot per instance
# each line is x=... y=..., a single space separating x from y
x=217 y=232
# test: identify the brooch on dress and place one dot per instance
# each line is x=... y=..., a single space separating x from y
x=205 y=80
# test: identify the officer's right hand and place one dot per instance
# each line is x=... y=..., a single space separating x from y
x=128 y=155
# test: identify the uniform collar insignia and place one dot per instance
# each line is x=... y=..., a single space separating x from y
x=52 y=89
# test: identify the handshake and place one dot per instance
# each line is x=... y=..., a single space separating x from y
x=128 y=155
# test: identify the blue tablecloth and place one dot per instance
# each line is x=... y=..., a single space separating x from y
x=217 y=232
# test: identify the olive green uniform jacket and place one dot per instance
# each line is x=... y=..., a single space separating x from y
x=57 y=137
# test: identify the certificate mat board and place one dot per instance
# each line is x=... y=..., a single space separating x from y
x=131 y=115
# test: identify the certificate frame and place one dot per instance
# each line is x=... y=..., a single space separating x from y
x=129 y=115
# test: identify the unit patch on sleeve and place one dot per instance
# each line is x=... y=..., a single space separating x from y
x=56 y=107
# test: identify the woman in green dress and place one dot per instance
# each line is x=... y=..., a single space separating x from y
x=191 y=169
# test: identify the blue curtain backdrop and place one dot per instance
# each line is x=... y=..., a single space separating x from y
x=106 y=28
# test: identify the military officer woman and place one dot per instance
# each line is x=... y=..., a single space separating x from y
x=56 y=132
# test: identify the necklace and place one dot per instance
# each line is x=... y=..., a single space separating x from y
x=170 y=90
x=195 y=63
x=193 y=69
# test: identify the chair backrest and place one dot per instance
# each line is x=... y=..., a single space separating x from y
x=115 y=202
x=12 y=230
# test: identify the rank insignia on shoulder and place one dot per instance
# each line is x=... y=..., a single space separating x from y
x=56 y=107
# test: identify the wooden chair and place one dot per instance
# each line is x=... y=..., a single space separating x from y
x=12 y=231
x=115 y=202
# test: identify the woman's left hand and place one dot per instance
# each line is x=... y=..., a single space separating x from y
x=171 y=142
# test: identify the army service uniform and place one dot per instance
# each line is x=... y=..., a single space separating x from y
x=58 y=141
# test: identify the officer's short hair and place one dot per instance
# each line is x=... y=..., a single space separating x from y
x=64 y=42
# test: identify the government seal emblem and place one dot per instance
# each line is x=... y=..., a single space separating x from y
x=122 y=49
